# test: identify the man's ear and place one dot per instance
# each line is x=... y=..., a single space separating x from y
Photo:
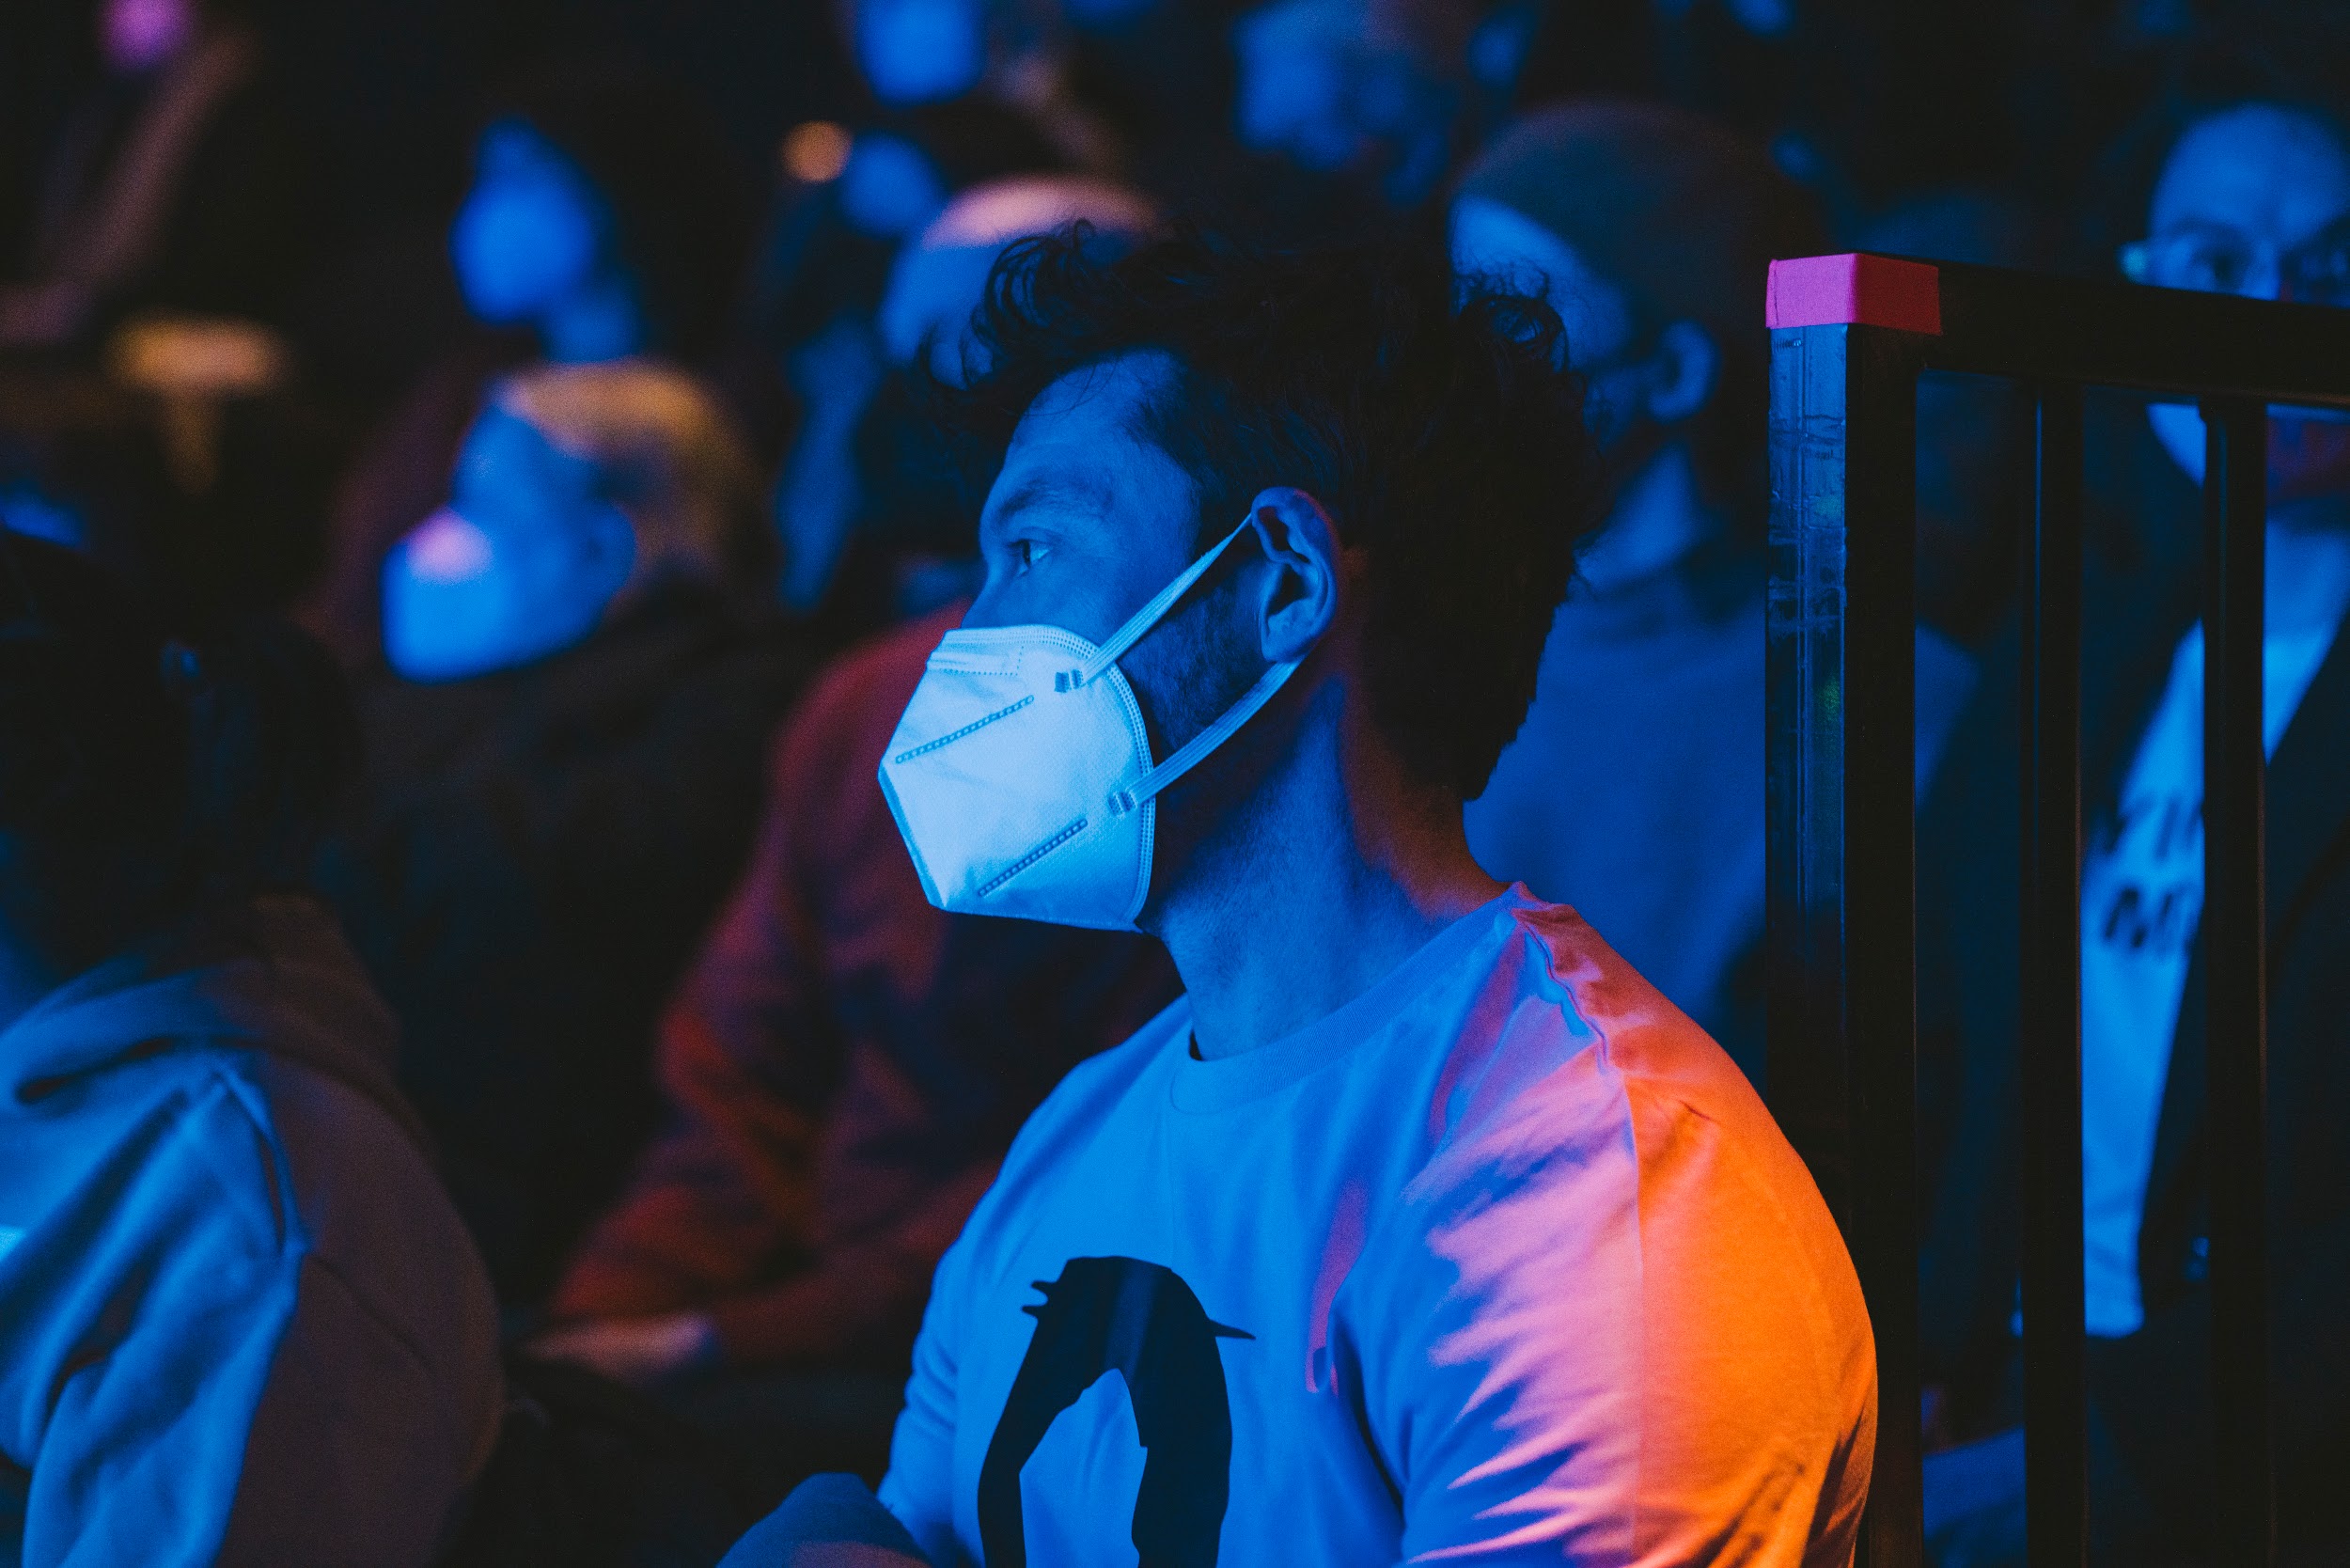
x=1682 y=372
x=1298 y=600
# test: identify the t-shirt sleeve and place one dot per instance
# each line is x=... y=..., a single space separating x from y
x=919 y=1487
x=1608 y=1348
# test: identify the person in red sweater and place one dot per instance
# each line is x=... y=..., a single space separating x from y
x=845 y=1065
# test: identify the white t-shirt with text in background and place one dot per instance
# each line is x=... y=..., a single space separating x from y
x=2142 y=900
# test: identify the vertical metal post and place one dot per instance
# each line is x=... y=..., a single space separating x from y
x=1841 y=926
x=2055 y=1436
x=2235 y=946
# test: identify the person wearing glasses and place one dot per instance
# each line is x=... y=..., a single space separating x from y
x=2253 y=199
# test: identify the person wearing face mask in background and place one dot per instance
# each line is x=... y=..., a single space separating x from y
x=182 y=184
x=1634 y=790
x=562 y=779
x=605 y=222
x=845 y=1064
x=2253 y=197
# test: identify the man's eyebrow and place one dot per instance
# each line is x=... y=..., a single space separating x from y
x=1051 y=490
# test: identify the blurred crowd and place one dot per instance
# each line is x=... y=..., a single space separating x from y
x=564 y=370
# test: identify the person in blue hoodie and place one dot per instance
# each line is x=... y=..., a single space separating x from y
x=240 y=1320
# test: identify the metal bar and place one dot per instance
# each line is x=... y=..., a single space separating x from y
x=2126 y=335
x=2055 y=1430
x=2235 y=950
x=1842 y=953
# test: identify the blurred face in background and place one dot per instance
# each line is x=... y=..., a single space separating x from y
x=519 y=565
x=1324 y=84
x=532 y=232
x=2256 y=201
x=920 y=51
x=140 y=34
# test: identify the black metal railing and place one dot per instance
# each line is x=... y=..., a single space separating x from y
x=1850 y=336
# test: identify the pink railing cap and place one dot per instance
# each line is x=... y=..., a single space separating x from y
x=1857 y=290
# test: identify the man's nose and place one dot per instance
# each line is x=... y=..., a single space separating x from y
x=984 y=611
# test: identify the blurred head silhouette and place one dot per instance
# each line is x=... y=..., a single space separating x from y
x=937 y=283
x=579 y=489
x=1651 y=230
x=1376 y=90
x=911 y=501
x=144 y=777
x=605 y=213
x=914 y=52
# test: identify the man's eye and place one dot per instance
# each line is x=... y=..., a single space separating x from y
x=1025 y=553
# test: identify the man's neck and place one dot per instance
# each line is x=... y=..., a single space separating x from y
x=1334 y=873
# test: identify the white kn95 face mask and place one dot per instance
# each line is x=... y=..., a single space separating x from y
x=1021 y=774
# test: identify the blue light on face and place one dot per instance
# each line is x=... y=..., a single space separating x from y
x=520 y=566
x=921 y=51
x=531 y=230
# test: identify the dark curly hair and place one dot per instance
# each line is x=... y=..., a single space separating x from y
x=1434 y=421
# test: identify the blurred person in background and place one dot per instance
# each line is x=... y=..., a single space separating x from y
x=964 y=92
x=1382 y=97
x=604 y=223
x=239 y=1321
x=562 y=778
x=901 y=546
x=181 y=183
x=868 y=198
x=1634 y=790
x=846 y=1064
x=2253 y=199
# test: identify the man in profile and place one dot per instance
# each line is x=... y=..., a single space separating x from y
x=1422 y=1228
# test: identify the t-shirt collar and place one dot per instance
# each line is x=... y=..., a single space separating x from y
x=1207 y=1086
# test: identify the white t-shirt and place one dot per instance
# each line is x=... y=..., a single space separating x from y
x=2142 y=898
x=1501 y=1262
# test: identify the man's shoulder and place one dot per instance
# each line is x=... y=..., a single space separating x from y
x=1606 y=1005
x=1589 y=1062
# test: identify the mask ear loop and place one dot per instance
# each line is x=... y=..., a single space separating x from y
x=1149 y=616
x=1194 y=751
